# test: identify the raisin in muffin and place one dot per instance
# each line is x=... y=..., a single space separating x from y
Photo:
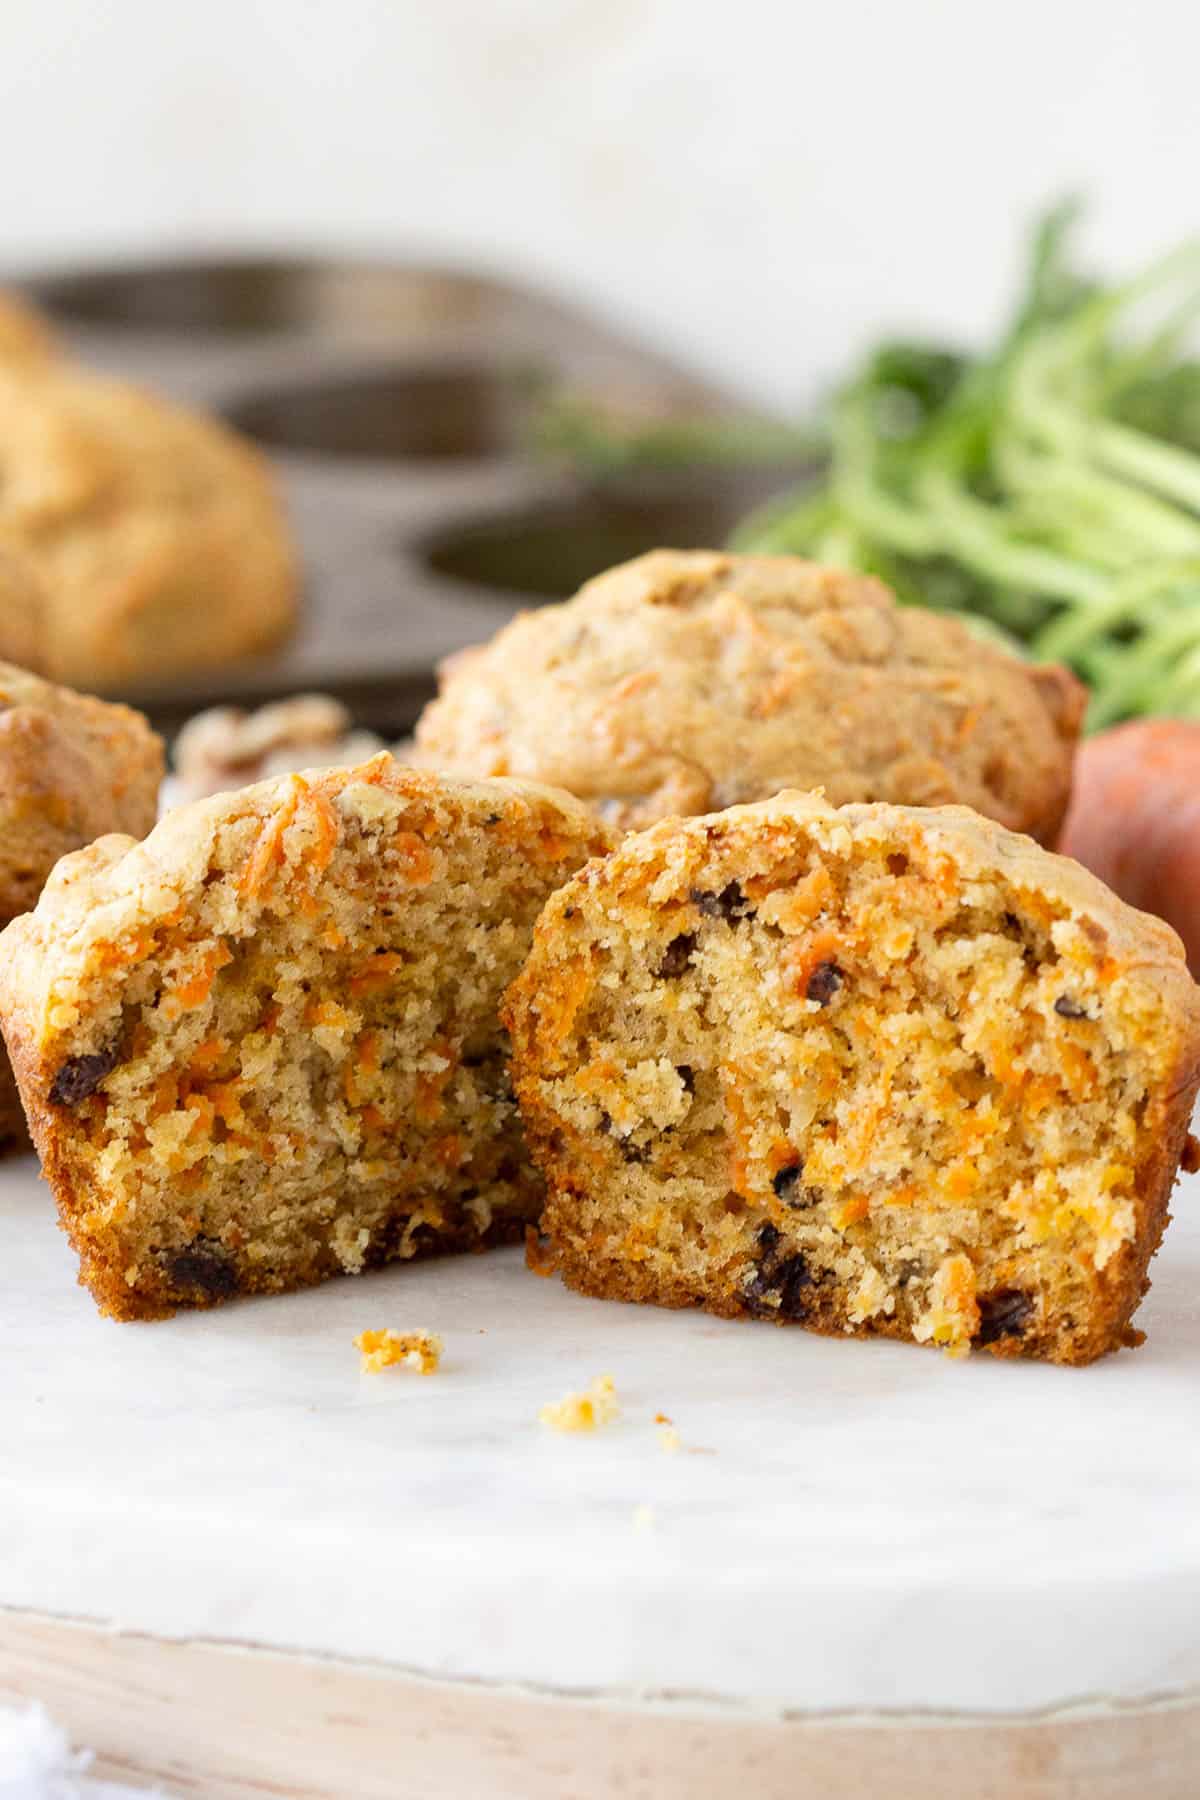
x=264 y=1046
x=874 y=1070
x=71 y=768
x=688 y=681
x=152 y=536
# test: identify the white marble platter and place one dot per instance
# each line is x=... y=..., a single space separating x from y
x=847 y=1526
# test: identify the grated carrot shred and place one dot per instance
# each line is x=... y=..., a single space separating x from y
x=268 y=846
x=115 y=956
x=325 y=1012
x=427 y=1095
x=226 y=1097
x=365 y=1061
x=449 y=1150
x=540 y=1256
x=207 y=1054
x=738 y=1129
x=906 y=1194
x=202 y=1106
x=414 y=852
x=327 y=830
x=195 y=989
x=962 y=1179
x=376 y=973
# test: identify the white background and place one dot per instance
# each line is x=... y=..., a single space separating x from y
x=760 y=183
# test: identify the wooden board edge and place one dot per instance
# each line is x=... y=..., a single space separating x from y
x=231 y=1723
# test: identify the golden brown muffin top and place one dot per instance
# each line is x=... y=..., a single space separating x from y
x=664 y=856
x=115 y=886
x=688 y=681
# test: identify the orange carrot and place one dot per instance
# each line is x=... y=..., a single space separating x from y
x=427 y=1097
x=852 y=1209
x=260 y=865
x=194 y=990
x=226 y=1097
x=1135 y=819
x=414 y=854
x=327 y=830
x=448 y=1149
x=376 y=973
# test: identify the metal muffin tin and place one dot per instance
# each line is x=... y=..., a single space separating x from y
x=394 y=400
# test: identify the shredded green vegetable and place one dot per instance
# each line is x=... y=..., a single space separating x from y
x=1048 y=492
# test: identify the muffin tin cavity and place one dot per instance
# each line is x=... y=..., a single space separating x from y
x=441 y=413
x=545 y=552
x=399 y=404
x=256 y=296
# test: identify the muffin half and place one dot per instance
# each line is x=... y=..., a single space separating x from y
x=264 y=1046
x=875 y=1070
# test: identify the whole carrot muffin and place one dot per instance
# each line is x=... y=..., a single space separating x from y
x=875 y=1069
x=264 y=1046
x=687 y=681
x=71 y=768
x=152 y=536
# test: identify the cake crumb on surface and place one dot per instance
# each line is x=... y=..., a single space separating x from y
x=596 y=1406
x=669 y=1439
x=539 y=1258
x=419 y=1350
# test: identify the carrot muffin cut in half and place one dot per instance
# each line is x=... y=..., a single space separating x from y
x=875 y=1069
x=264 y=1045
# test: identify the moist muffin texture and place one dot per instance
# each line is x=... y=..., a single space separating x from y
x=687 y=681
x=876 y=1070
x=264 y=1046
x=71 y=768
x=152 y=537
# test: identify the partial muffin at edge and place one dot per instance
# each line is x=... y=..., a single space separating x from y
x=71 y=769
x=154 y=533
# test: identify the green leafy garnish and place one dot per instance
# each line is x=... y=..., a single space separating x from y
x=1049 y=490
